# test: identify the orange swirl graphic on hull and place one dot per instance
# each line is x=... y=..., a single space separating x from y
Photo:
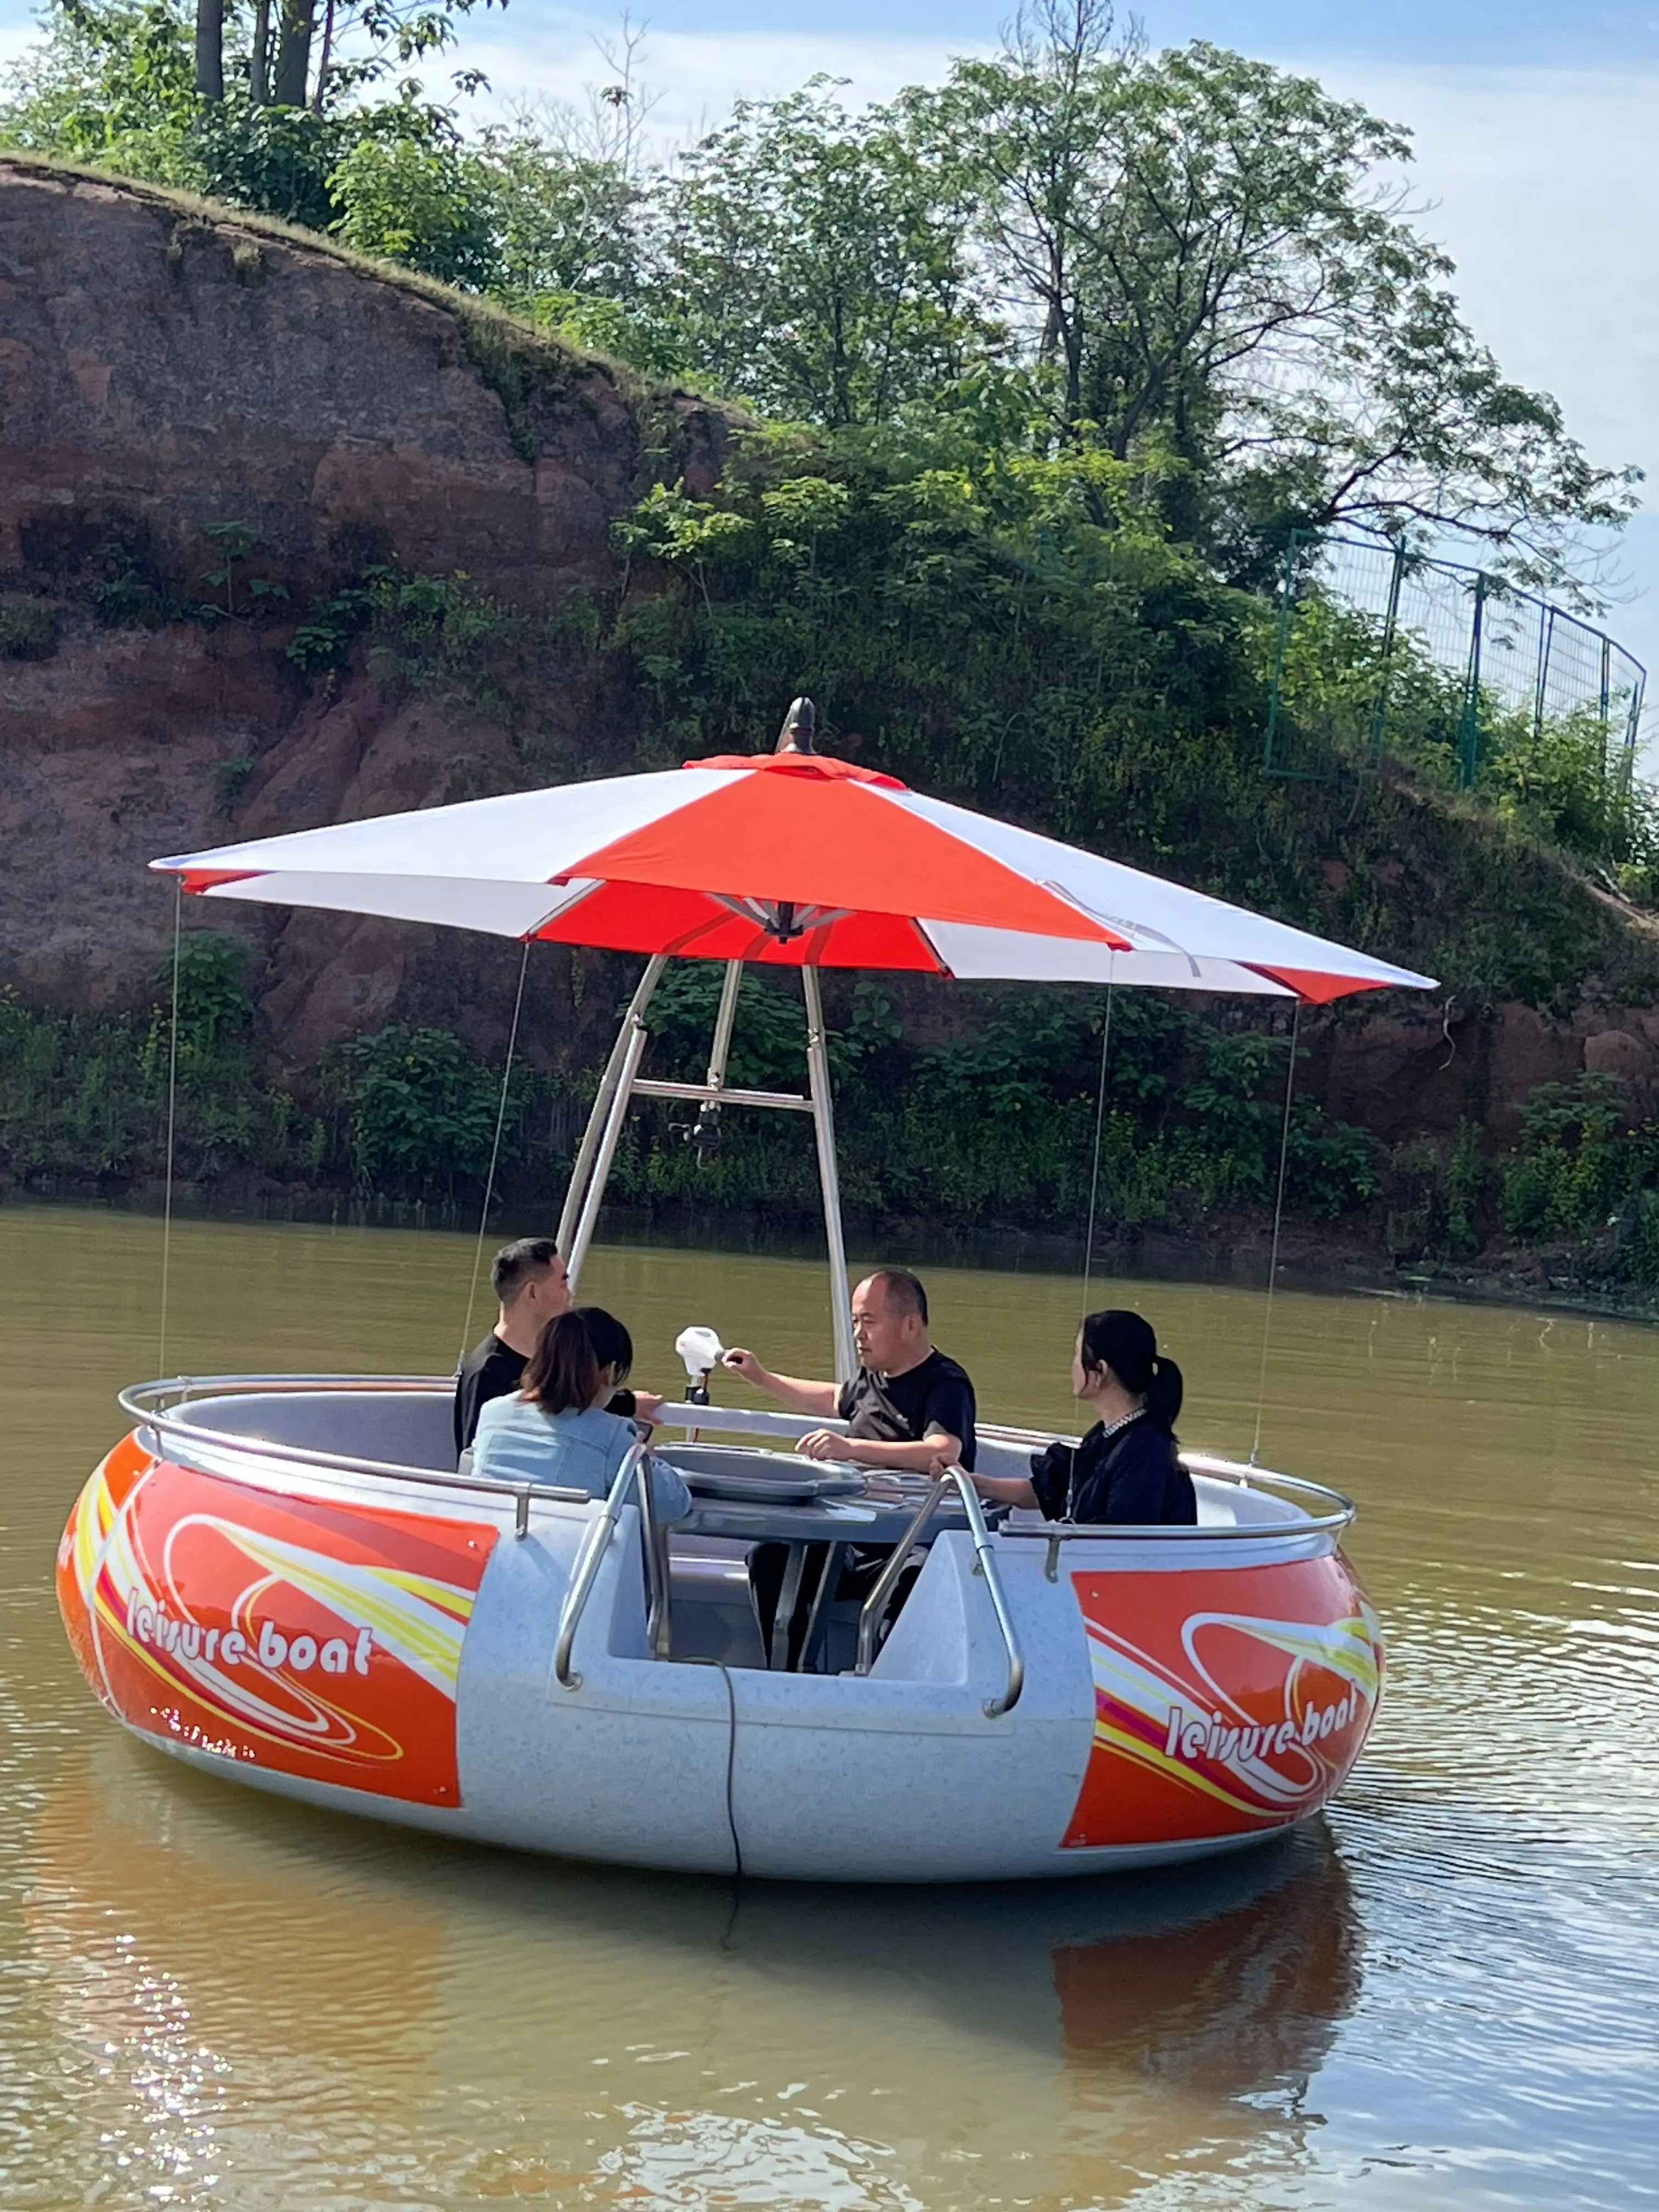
x=1227 y=1701
x=315 y=1638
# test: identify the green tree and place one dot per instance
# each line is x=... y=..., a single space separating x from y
x=1195 y=248
x=408 y=190
x=817 y=262
x=117 y=85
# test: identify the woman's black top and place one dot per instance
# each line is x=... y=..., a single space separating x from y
x=1134 y=1474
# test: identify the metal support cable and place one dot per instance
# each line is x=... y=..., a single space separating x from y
x=173 y=1123
x=1279 y=1216
x=1100 y=1122
x=495 y=1154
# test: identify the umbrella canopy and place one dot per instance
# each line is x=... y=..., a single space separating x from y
x=790 y=860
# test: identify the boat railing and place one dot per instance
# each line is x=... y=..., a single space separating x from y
x=875 y=1606
x=160 y=1407
x=146 y=1403
x=634 y=1469
x=653 y=1541
x=1261 y=1481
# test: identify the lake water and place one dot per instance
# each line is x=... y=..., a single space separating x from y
x=1446 y=1994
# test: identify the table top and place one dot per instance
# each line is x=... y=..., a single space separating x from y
x=879 y=1514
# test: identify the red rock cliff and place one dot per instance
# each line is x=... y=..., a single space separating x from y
x=161 y=374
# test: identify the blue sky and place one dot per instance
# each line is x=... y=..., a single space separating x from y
x=1536 y=129
x=1530 y=32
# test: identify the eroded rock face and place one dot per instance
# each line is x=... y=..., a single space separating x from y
x=1423 y=1074
x=162 y=376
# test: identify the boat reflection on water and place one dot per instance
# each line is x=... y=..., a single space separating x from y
x=467 y=2020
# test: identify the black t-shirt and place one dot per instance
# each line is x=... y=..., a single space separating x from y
x=493 y=1369
x=1134 y=1476
x=934 y=1395
x=490 y=1369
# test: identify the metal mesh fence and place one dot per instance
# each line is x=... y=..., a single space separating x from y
x=1380 y=650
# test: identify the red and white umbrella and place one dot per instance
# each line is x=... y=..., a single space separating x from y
x=787 y=860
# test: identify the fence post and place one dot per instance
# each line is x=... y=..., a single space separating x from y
x=1627 y=763
x=1468 y=734
x=1390 y=623
x=1606 y=699
x=1287 y=594
x=1541 y=688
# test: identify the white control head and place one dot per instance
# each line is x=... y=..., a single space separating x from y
x=701 y=1350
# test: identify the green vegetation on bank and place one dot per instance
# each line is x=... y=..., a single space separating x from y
x=993 y=1129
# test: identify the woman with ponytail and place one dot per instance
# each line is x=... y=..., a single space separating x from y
x=1128 y=1468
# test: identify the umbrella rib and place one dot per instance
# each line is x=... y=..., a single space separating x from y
x=557 y=913
x=940 y=961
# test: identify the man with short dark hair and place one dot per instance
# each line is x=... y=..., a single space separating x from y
x=532 y=1286
x=907 y=1407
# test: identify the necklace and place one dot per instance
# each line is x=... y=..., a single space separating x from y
x=1108 y=1431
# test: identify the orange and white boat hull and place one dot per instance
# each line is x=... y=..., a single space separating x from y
x=389 y=1651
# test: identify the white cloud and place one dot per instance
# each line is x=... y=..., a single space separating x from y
x=1547 y=184
x=696 y=76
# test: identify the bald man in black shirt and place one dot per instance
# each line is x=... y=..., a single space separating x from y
x=907 y=1407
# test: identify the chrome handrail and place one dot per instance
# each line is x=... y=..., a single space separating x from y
x=195 y=1437
x=1141 y=1532
x=984 y=1564
x=137 y=1393
x=653 y=1541
x=1238 y=1472
x=987 y=1566
x=875 y=1606
x=595 y=1544
x=144 y=1402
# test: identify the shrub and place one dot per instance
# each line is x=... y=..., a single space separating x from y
x=28 y=630
x=1576 y=1161
x=419 y=1108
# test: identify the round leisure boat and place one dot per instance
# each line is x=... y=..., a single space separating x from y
x=288 y=1579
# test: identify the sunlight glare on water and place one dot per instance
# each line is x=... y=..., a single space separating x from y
x=1442 y=1995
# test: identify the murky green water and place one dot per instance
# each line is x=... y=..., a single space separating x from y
x=1443 y=1995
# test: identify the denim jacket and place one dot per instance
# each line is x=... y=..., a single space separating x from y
x=517 y=1441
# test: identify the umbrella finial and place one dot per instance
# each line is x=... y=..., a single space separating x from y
x=799 y=724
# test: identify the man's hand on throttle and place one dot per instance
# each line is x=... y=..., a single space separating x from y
x=744 y=1363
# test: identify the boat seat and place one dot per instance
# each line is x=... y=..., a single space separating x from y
x=710 y=1604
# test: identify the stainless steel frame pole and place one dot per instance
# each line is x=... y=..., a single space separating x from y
x=638 y=1037
x=721 y=1051
x=823 y=1125
x=584 y=1162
